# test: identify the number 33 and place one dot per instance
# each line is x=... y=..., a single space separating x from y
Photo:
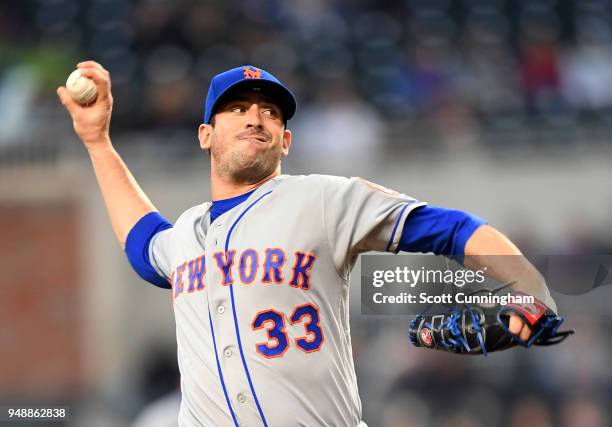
x=278 y=341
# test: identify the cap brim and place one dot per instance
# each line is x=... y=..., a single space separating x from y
x=278 y=92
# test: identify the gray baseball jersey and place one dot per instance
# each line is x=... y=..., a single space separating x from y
x=261 y=299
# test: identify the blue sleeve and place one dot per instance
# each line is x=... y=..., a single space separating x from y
x=137 y=247
x=438 y=230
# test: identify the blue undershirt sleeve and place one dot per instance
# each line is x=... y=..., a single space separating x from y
x=439 y=230
x=137 y=247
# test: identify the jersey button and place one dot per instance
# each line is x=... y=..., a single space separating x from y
x=241 y=398
x=227 y=352
x=220 y=309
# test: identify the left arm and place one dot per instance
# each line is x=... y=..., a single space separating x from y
x=468 y=238
x=487 y=241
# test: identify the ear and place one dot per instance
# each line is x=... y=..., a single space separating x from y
x=205 y=136
x=286 y=142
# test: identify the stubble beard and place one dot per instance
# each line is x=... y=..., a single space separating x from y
x=243 y=168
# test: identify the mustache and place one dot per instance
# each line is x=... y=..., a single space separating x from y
x=254 y=134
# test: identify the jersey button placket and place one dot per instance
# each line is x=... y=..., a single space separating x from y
x=223 y=321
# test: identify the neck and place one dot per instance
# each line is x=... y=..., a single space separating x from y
x=224 y=188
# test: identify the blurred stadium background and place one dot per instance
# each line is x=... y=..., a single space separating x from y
x=499 y=107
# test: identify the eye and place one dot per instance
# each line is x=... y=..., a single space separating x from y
x=270 y=112
x=237 y=109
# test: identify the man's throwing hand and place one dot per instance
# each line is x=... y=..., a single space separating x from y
x=91 y=122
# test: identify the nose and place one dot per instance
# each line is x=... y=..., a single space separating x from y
x=253 y=116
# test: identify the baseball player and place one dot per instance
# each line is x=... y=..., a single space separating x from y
x=259 y=275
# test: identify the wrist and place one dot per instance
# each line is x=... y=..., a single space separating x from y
x=100 y=149
x=537 y=288
x=100 y=144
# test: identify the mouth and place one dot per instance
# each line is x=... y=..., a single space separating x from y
x=254 y=138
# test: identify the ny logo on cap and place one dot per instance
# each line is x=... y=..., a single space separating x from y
x=252 y=73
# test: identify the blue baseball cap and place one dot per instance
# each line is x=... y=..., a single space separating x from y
x=248 y=77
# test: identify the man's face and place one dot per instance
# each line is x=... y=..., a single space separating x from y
x=248 y=137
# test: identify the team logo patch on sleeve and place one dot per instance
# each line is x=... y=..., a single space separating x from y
x=378 y=187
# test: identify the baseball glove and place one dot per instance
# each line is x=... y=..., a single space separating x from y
x=481 y=329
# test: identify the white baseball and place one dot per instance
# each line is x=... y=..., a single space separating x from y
x=80 y=88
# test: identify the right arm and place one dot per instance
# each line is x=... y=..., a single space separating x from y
x=125 y=201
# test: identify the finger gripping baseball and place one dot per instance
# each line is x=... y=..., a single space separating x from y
x=476 y=329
